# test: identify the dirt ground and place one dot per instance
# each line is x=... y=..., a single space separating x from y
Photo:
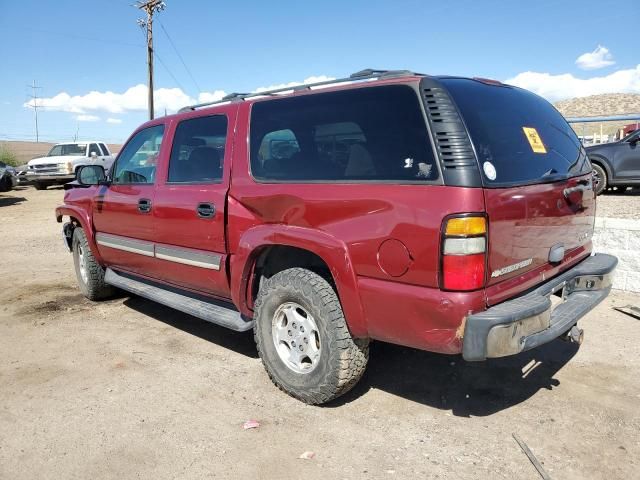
x=130 y=389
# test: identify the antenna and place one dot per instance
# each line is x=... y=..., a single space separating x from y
x=151 y=7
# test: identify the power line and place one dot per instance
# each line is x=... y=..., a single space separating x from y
x=180 y=56
x=151 y=7
x=166 y=67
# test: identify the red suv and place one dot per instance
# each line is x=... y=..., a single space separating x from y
x=448 y=214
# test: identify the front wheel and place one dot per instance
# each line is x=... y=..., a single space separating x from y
x=89 y=272
x=303 y=339
x=40 y=185
x=599 y=179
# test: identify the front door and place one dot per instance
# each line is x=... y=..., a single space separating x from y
x=123 y=211
x=627 y=158
x=190 y=201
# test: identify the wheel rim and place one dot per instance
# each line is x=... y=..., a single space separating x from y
x=597 y=179
x=296 y=337
x=82 y=265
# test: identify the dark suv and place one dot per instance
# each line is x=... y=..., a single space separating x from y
x=440 y=213
x=616 y=164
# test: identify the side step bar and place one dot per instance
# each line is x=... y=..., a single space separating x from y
x=220 y=315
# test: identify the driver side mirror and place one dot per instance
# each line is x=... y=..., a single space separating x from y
x=91 y=175
x=94 y=155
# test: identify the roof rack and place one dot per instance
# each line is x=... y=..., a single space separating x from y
x=366 y=74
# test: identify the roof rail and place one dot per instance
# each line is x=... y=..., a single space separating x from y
x=366 y=74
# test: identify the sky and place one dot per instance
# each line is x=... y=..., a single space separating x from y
x=88 y=58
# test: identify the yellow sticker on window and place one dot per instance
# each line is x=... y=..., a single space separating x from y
x=534 y=140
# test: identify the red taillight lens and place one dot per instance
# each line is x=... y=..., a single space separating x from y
x=464 y=250
x=463 y=272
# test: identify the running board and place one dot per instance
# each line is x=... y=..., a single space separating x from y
x=218 y=314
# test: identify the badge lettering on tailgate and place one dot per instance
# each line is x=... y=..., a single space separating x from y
x=511 y=268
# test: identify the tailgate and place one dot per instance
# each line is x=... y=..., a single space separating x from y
x=526 y=223
x=537 y=185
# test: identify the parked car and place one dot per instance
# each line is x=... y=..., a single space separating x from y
x=616 y=164
x=8 y=177
x=440 y=213
x=60 y=165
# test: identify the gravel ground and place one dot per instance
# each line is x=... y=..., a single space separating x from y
x=626 y=205
x=129 y=389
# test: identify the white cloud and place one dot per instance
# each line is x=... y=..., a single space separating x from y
x=315 y=79
x=559 y=87
x=599 y=58
x=214 y=96
x=87 y=118
x=135 y=99
x=114 y=120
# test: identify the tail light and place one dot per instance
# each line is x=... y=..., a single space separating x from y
x=464 y=252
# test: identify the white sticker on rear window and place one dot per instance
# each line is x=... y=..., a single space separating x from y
x=489 y=170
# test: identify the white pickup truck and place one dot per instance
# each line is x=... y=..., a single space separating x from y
x=62 y=162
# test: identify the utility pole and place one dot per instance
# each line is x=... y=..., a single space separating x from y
x=151 y=7
x=34 y=97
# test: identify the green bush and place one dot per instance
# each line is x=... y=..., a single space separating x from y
x=8 y=157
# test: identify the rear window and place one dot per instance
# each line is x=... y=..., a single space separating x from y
x=519 y=137
x=375 y=134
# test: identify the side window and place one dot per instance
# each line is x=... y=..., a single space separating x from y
x=105 y=150
x=93 y=147
x=137 y=161
x=197 y=153
x=375 y=134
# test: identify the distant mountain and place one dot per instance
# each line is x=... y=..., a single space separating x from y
x=598 y=105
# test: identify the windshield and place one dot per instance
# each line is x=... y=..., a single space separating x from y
x=631 y=136
x=519 y=137
x=68 y=149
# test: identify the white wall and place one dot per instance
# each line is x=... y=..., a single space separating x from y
x=620 y=237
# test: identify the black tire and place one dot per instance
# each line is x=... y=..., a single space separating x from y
x=92 y=283
x=599 y=179
x=40 y=185
x=341 y=360
x=5 y=184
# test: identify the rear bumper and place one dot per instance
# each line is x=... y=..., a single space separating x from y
x=528 y=321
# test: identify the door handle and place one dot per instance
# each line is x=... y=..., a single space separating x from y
x=206 y=210
x=144 y=205
x=578 y=188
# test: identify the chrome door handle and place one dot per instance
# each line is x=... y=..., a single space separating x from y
x=144 y=205
x=206 y=210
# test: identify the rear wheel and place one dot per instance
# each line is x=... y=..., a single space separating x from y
x=5 y=184
x=89 y=272
x=40 y=185
x=303 y=339
x=599 y=179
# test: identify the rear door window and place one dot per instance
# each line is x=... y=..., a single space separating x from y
x=519 y=137
x=197 y=153
x=375 y=134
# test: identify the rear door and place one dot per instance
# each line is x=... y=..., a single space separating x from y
x=190 y=202
x=537 y=184
x=123 y=211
